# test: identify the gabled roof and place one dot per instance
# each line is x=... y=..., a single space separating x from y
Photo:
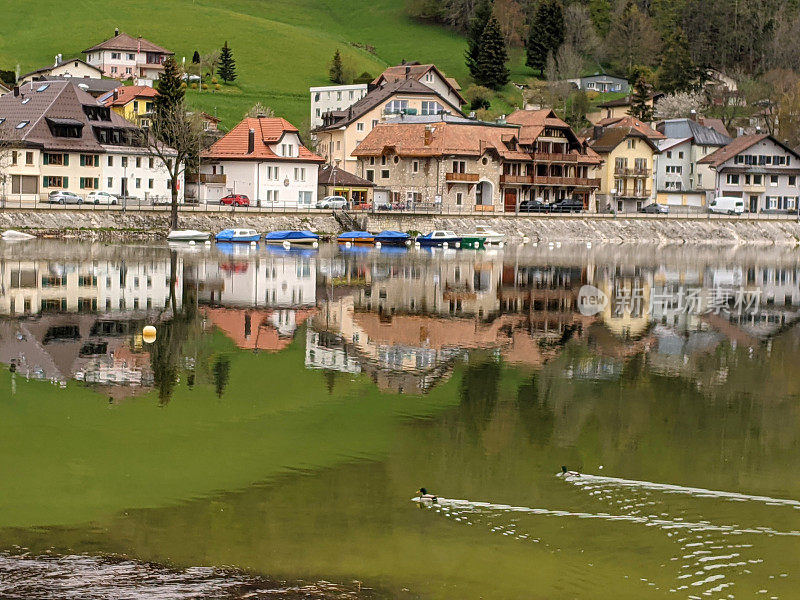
x=378 y=96
x=330 y=175
x=715 y=124
x=268 y=130
x=626 y=101
x=671 y=143
x=93 y=85
x=739 y=145
x=60 y=63
x=614 y=136
x=128 y=43
x=414 y=70
x=533 y=122
x=126 y=93
x=633 y=123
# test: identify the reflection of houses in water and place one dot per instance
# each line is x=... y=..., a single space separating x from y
x=258 y=329
x=42 y=286
x=627 y=314
x=326 y=350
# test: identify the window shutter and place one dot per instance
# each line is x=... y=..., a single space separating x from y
x=45 y=158
x=83 y=160
x=81 y=182
x=97 y=183
x=96 y=160
x=45 y=180
x=66 y=160
x=66 y=182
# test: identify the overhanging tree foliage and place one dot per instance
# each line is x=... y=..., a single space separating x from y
x=227 y=64
x=546 y=34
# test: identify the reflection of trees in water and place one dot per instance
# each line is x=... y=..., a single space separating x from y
x=478 y=392
x=221 y=372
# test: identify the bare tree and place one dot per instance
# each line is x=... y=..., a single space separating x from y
x=679 y=105
x=259 y=110
x=173 y=138
x=579 y=30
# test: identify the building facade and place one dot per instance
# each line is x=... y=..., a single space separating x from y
x=328 y=98
x=134 y=102
x=126 y=57
x=72 y=67
x=602 y=84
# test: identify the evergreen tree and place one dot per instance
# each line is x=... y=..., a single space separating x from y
x=600 y=10
x=490 y=68
x=196 y=58
x=641 y=95
x=546 y=34
x=678 y=73
x=336 y=69
x=227 y=65
x=481 y=16
x=170 y=91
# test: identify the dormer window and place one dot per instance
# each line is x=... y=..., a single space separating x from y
x=26 y=100
x=22 y=124
x=43 y=87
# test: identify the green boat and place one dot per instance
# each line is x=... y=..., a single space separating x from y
x=473 y=242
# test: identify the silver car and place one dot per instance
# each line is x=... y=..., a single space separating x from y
x=332 y=202
x=64 y=197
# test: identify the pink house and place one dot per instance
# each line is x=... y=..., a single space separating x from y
x=126 y=57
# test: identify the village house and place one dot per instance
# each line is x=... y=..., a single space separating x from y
x=618 y=108
x=333 y=181
x=628 y=150
x=758 y=168
x=134 y=102
x=679 y=177
x=329 y=98
x=602 y=83
x=264 y=159
x=461 y=164
x=391 y=96
x=63 y=139
x=72 y=67
x=126 y=57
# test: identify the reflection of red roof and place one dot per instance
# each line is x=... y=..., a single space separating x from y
x=259 y=334
x=268 y=131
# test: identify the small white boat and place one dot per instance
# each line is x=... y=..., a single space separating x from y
x=16 y=236
x=486 y=231
x=188 y=235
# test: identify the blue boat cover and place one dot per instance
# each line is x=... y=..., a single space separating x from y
x=389 y=234
x=349 y=235
x=227 y=235
x=291 y=235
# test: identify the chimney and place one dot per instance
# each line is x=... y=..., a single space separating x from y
x=408 y=71
x=693 y=115
x=16 y=91
x=116 y=31
x=251 y=141
x=116 y=95
x=428 y=135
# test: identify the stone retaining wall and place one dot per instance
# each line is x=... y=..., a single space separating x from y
x=115 y=225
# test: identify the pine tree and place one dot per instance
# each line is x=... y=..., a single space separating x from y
x=170 y=91
x=600 y=10
x=641 y=96
x=490 y=67
x=481 y=16
x=678 y=73
x=546 y=34
x=336 y=70
x=227 y=65
x=196 y=58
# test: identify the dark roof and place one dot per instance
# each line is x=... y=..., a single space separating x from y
x=59 y=103
x=687 y=128
x=91 y=85
x=59 y=64
x=330 y=175
x=626 y=101
x=739 y=145
x=414 y=70
x=379 y=95
x=614 y=136
x=126 y=42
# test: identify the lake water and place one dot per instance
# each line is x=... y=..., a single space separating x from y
x=270 y=442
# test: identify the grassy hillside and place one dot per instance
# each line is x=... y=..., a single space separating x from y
x=281 y=46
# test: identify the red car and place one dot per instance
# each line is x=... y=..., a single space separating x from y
x=235 y=200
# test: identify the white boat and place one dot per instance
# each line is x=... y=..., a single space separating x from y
x=188 y=235
x=486 y=231
x=16 y=236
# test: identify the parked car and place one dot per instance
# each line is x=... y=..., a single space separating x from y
x=332 y=202
x=63 y=197
x=235 y=200
x=533 y=206
x=654 y=208
x=567 y=205
x=101 y=198
x=730 y=205
x=362 y=205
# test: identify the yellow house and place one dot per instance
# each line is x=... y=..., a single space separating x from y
x=615 y=109
x=626 y=176
x=343 y=130
x=134 y=102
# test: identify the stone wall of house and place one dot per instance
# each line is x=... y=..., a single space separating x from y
x=133 y=225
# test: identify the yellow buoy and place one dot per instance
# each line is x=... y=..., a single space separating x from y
x=149 y=334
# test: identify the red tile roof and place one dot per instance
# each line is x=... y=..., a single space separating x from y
x=128 y=43
x=533 y=122
x=126 y=93
x=739 y=144
x=633 y=123
x=268 y=130
x=416 y=71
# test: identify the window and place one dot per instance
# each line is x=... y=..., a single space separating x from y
x=150 y=163
x=732 y=179
x=131 y=56
x=459 y=166
x=415 y=166
x=677 y=169
x=138 y=162
x=669 y=153
x=773 y=180
x=110 y=183
x=680 y=154
x=124 y=161
x=90 y=160
x=55 y=159
x=299 y=174
x=431 y=108
x=396 y=107
x=24 y=184
x=339 y=95
x=631 y=143
x=29 y=158
x=13 y=157
x=150 y=184
x=459 y=199
x=138 y=183
x=370 y=175
x=304 y=198
x=55 y=182
x=115 y=55
x=89 y=183
x=757 y=179
x=772 y=202
x=384 y=173
x=110 y=161
x=413 y=197
x=359 y=127
x=374 y=123
x=22 y=124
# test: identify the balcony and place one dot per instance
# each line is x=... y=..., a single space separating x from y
x=462 y=177
x=550 y=180
x=207 y=178
x=518 y=179
x=632 y=193
x=554 y=157
x=626 y=172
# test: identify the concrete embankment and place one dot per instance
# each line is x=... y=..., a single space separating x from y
x=114 y=225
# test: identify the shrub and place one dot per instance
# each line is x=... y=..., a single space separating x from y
x=479 y=97
x=205 y=86
x=194 y=86
x=183 y=85
x=218 y=87
x=214 y=80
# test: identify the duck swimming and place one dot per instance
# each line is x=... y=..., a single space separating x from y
x=424 y=496
x=565 y=473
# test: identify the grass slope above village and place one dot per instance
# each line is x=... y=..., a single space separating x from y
x=281 y=47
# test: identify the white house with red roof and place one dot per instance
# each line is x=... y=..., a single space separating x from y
x=264 y=159
x=126 y=57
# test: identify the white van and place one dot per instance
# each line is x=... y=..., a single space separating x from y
x=730 y=205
